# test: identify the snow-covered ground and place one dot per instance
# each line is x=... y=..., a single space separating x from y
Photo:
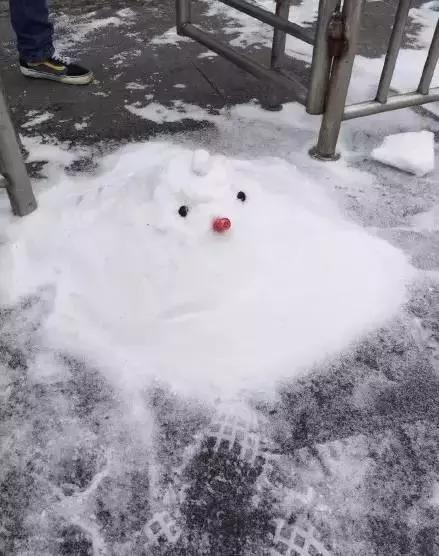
x=168 y=388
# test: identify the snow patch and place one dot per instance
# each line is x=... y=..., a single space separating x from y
x=135 y=86
x=425 y=18
x=207 y=55
x=121 y=58
x=249 y=32
x=427 y=221
x=177 y=112
x=79 y=126
x=169 y=37
x=37 y=118
x=45 y=150
x=73 y=31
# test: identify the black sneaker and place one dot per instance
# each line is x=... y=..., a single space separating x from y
x=57 y=70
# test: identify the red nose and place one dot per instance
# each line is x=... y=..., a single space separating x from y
x=221 y=225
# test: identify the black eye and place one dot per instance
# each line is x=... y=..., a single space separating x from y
x=241 y=196
x=183 y=211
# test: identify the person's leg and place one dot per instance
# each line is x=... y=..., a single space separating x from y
x=30 y=20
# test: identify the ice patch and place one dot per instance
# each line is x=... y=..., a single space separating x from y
x=411 y=152
x=147 y=294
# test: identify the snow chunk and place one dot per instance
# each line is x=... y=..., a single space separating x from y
x=412 y=152
x=201 y=162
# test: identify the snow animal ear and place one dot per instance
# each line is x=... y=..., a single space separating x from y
x=201 y=162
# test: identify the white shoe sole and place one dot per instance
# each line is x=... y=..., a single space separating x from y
x=79 y=80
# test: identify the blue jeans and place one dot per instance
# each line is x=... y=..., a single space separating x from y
x=30 y=20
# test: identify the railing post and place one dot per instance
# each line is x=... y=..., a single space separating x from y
x=12 y=166
x=279 y=37
x=396 y=37
x=183 y=11
x=339 y=84
x=430 y=64
x=277 y=55
x=321 y=59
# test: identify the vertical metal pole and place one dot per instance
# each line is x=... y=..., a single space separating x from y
x=430 y=64
x=321 y=59
x=277 y=55
x=183 y=10
x=279 y=37
x=12 y=166
x=393 y=50
x=339 y=84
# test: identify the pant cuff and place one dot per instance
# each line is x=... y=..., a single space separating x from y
x=37 y=56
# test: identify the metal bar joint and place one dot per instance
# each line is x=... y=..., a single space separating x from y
x=337 y=39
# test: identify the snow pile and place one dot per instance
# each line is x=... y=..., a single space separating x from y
x=411 y=152
x=147 y=290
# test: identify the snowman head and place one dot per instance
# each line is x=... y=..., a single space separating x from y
x=203 y=197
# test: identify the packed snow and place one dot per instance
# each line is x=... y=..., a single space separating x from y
x=411 y=152
x=139 y=287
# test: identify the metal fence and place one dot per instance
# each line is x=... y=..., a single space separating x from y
x=12 y=166
x=335 y=43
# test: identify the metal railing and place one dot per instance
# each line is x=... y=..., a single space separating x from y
x=12 y=166
x=335 y=44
